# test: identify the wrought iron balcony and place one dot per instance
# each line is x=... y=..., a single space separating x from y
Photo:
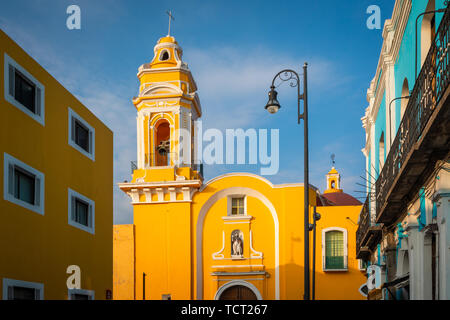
x=368 y=232
x=423 y=135
x=197 y=167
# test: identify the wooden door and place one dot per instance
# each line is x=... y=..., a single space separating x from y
x=238 y=293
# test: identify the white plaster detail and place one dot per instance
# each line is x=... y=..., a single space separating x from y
x=199 y=231
x=254 y=253
x=218 y=255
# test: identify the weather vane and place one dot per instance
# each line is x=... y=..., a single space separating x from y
x=333 y=156
x=169 y=13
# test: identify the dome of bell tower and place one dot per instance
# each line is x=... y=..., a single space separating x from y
x=167 y=54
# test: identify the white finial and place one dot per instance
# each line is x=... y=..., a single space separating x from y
x=169 y=13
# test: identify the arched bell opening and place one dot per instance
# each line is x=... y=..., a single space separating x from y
x=162 y=143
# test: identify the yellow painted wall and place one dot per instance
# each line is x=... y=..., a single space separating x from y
x=124 y=262
x=288 y=204
x=179 y=240
x=39 y=248
x=163 y=250
x=335 y=285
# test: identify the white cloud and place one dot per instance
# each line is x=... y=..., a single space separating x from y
x=233 y=83
x=109 y=101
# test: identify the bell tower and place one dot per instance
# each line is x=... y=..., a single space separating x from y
x=167 y=107
x=165 y=175
x=333 y=181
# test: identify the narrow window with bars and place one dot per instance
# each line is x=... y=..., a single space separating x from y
x=238 y=206
x=334 y=250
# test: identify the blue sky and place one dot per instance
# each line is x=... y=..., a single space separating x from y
x=233 y=48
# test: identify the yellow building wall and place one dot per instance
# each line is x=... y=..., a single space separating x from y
x=124 y=262
x=287 y=201
x=163 y=250
x=337 y=285
x=39 y=248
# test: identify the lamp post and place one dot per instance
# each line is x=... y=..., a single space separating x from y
x=316 y=217
x=273 y=106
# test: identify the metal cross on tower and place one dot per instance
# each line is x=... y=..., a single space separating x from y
x=169 y=13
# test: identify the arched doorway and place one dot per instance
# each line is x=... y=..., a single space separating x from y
x=238 y=293
x=428 y=31
x=238 y=290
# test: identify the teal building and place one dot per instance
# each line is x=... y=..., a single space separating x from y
x=404 y=226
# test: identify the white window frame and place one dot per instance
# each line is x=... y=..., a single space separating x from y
x=8 y=161
x=24 y=284
x=91 y=154
x=89 y=293
x=230 y=205
x=40 y=117
x=324 y=231
x=91 y=218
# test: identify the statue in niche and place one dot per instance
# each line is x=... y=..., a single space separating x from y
x=237 y=243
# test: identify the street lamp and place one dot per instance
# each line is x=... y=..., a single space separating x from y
x=272 y=107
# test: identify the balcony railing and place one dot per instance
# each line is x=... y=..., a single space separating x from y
x=368 y=231
x=429 y=88
x=363 y=226
x=198 y=167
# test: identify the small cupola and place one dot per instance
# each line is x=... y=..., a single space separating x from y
x=333 y=179
x=168 y=54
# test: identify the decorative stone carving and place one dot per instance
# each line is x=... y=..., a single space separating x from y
x=237 y=244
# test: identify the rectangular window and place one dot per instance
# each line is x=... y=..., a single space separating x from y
x=80 y=294
x=81 y=135
x=23 y=185
x=81 y=212
x=23 y=91
x=334 y=250
x=22 y=290
x=237 y=206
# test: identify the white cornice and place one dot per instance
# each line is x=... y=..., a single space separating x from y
x=251 y=175
x=159 y=184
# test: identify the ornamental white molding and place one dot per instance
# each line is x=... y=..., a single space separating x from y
x=254 y=254
x=145 y=69
x=219 y=255
x=199 y=234
x=393 y=32
x=155 y=89
x=178 y=191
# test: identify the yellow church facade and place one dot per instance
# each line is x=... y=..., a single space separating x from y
x=237 y=236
